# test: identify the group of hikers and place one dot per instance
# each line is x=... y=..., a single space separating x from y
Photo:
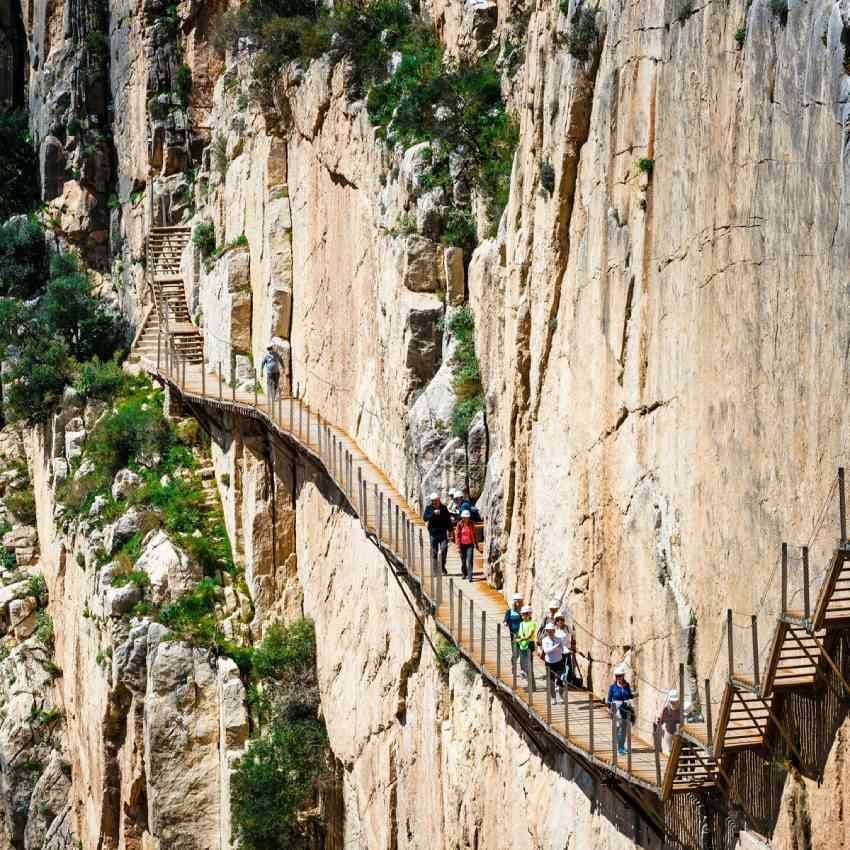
x=555 y=643
x=453 y=521
x=551 y=638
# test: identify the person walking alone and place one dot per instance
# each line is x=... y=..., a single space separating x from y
x=620 y=705
x=271 y=364
x=465 y=539
x=439 y=522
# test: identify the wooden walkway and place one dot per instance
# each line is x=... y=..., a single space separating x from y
x=470 y=613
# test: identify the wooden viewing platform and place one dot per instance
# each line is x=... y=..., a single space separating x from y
x=470 y=614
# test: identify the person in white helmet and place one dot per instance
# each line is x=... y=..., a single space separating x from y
x=548 y=617
x=553 y=655
x=512 y=620
x=439 y=523
x=670 y=720
x=465 y=538
x=620 y=705
x=525 y=636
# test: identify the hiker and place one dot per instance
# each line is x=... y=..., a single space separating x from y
x=439 y=524
x=512 y=619
x=466 y=504
x=670 y=720
x=271 y=364
x=525 y=641
x=465 y=539
x=548 y=617
x=568 y=638
x=620 y=705
x=553 y=656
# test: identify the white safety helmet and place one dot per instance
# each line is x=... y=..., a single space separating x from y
x=550 y=626
x=526 y=609
x=673 y=695
x=555 y=603
x=434 y=496
x=517 y=597
x=465 y=514
x=619 y=670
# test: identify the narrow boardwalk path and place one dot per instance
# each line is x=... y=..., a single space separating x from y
x=798 y=654
x=470 y=613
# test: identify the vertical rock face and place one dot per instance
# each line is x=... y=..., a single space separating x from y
x=662 y=340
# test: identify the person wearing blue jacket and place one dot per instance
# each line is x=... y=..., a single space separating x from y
x=512 y=620
x=619 y=704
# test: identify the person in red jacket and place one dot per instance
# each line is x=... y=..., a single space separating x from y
x=465 y=539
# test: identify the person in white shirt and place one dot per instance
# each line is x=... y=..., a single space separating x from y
x=553 y=654
x=548 y=617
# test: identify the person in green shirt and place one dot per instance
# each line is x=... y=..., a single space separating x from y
x=525 y=638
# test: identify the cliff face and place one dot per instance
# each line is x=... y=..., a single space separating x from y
x=662 y=346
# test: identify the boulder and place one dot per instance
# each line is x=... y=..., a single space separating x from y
x=98 y=504
x=172 y=573
x=74 y=441
x=125 y=483
x=120 y=600
x=117 y=534
x=20 y=536
x=22 y=616
x=48 y=801
x=60 y=469
x=419 y=264
x=95 y=408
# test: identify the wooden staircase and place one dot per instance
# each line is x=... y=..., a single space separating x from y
x=170 y=309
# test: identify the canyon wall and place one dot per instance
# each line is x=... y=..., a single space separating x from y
x=663 y=353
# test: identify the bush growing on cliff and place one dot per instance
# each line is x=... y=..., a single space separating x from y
x=46 y=342
x=285 y=649
x=23 y=258
x=466 y=373
x=276 y=778
x=19 y=177
x=583 y=33
x=459 y=109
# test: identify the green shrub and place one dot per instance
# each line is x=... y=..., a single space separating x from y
x=740 y=36
x=137 y=577
x=285 y=649
x=38 y=589
x=779 y=10
x=646 y=166
x=20 y=185
x=191 y=616
x=21 y=504
x=23 y=258
x=203 y=238
x=447 y=654
x=99 y=380
x=44 y=629
x=183 y=85
x=466 y=373
x=461 y=229
x=462 y=108
x=137 y=429
x=547 y=176
x=584 y=33
x=274 y=781
x=159 y=107
x=97 y=44
x=683 y=9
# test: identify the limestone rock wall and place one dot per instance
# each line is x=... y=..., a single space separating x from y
x=663 y=351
